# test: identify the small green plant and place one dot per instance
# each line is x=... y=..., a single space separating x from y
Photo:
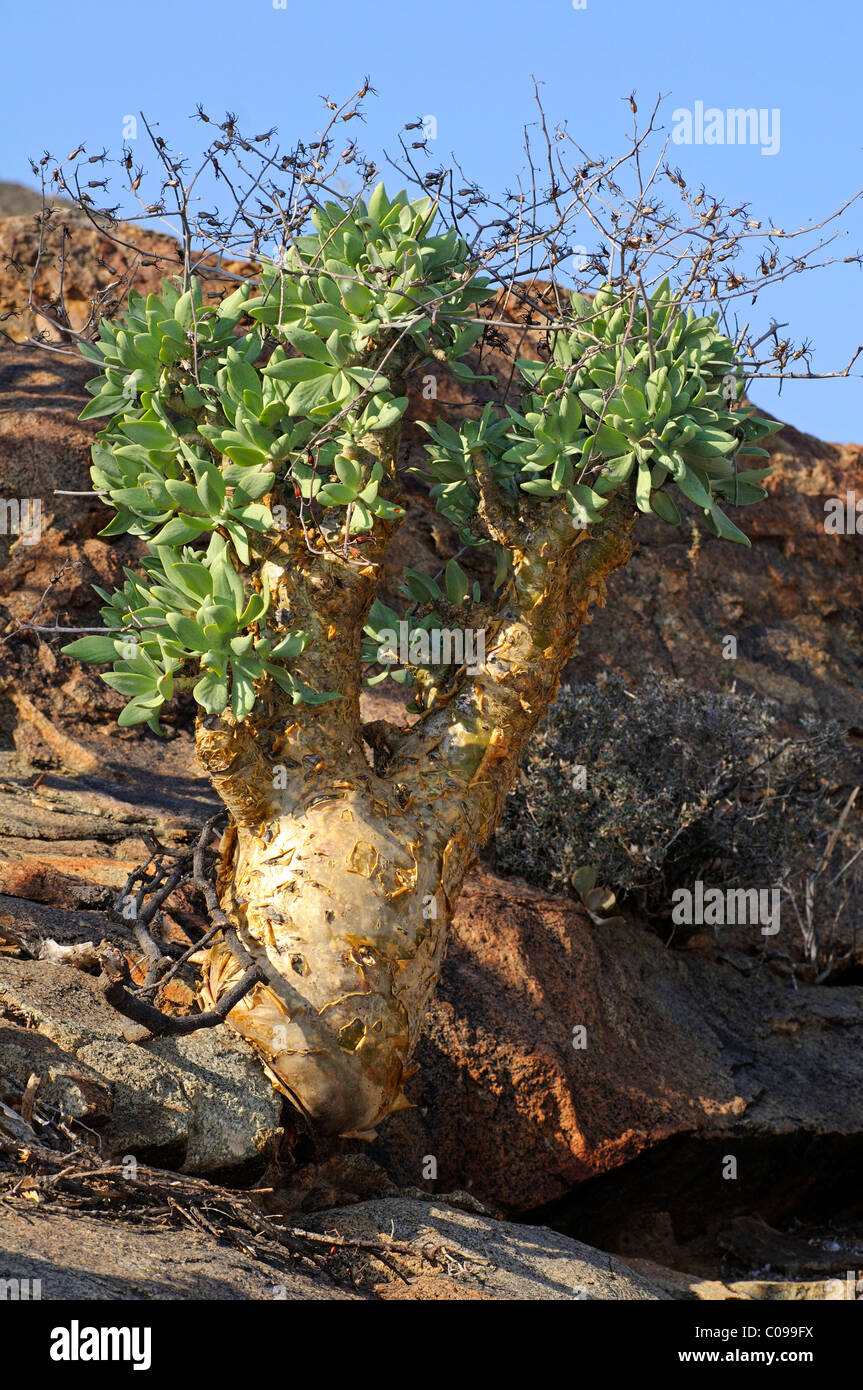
x=597 y=901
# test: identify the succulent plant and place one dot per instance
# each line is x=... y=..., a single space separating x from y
x=639 y=398
x=253 y=447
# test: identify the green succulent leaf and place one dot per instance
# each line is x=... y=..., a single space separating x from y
x=457 y=583
x=95 y=648
x=211 y=692
x=665 y=508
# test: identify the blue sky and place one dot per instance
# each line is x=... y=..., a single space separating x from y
x=469 y=64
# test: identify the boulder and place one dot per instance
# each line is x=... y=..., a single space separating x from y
x=201 y=1103
x=65 y=1083
x=681 y=600
x=558 y=1052
x=688 y=1286
x=492 y=1259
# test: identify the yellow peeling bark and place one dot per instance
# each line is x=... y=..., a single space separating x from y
x=341 y=880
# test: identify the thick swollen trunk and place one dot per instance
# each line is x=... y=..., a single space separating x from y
x=341 y=880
